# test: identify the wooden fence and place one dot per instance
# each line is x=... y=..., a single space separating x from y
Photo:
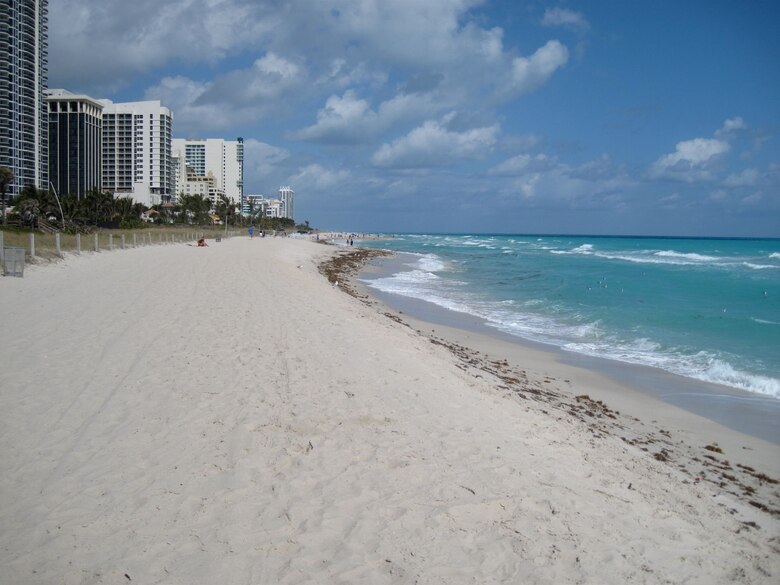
x=52 y=246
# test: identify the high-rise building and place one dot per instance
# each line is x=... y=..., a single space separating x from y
x=75 y=135
x=137 y=157
x=287 y=197
x=23 y=79
x=224 y=159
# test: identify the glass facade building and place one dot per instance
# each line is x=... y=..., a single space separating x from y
x=75 y=135
x=23 y=80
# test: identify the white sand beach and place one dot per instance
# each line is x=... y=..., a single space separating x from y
x=184 y=415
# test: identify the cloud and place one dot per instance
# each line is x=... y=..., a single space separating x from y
x=731 y=127
x=105 y=43
x=180 y=94
x=315 y=177
x=231 y=100
x=261 y=159
x=344 y=119
x=523 y=164
x=529 y=73
x=348 y=119
x=325 y=46
x=434 y=144
x=555 y=17
x=747 y=178
x=270 y=79
x=691 y=161
x=752 y=199
x=544 y=178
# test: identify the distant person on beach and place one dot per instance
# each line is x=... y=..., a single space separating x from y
x=202 y=243
x=251 y=231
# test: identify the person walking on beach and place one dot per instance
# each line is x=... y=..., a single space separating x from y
x=251 y=231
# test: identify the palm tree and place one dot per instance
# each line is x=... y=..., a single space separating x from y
x=123 y=208
x=195 y=208
x=6 y=178
x=30 y=210
x=98 y=206
x=225 y=208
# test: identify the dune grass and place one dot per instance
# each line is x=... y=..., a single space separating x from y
x=105 y=240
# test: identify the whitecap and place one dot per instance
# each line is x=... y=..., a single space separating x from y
x=764 y=321
x=687 y=256
x=431 y=263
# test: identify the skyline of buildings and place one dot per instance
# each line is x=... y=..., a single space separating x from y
x=73 y=143
x=214 y=162
x=264 y=206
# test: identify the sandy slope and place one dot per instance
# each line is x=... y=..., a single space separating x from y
x=224 y=415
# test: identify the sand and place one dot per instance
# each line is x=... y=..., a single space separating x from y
x=210 y=415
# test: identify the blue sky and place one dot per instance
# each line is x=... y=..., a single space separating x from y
x=619 y=117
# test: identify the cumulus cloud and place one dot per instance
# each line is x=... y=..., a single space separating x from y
x=261 y=159
x=523 y=164
x=350 y=119
x=268 y=80
x=563 y=17
x=180 y=94
x=315 y=177
x=231 y=100
x=529 y=73
x=691 y=161
x=747 y=178
x=329 y=44
x=434 y=144
x=104 y=43
x=342 y=119
x=541 y=176
x=731 y=127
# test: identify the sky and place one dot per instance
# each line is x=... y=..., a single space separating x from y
x=490 y=116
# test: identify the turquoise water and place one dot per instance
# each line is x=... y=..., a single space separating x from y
x=704 y=308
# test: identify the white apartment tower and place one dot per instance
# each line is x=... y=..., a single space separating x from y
x=287 y=197
x=23 y=80
x=222 y=159
x=137 y=150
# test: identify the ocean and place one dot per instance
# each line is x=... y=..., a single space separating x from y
x=707 y=309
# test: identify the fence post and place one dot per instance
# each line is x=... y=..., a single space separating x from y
x=135 y=243
x=111 y=242
x=161 y=238
x=58 y=245
x=78 y=243
x=2 y=250
x=123 y=241
x=97 y=246
x=32 y=245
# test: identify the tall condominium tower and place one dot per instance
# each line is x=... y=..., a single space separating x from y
x=224 y=159
x=287 y=197
x=137 y=151
x=23 y=62
x=75 y=135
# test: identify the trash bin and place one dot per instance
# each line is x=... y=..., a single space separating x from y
x=14 y=262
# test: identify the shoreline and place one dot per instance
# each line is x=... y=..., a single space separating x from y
x=740 y=410
x=696 y=446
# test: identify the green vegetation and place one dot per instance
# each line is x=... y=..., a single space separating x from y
x=114 y=220
x=46 y=247
x=6 y=178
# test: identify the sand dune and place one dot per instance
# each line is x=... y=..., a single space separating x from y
x=226 y=415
